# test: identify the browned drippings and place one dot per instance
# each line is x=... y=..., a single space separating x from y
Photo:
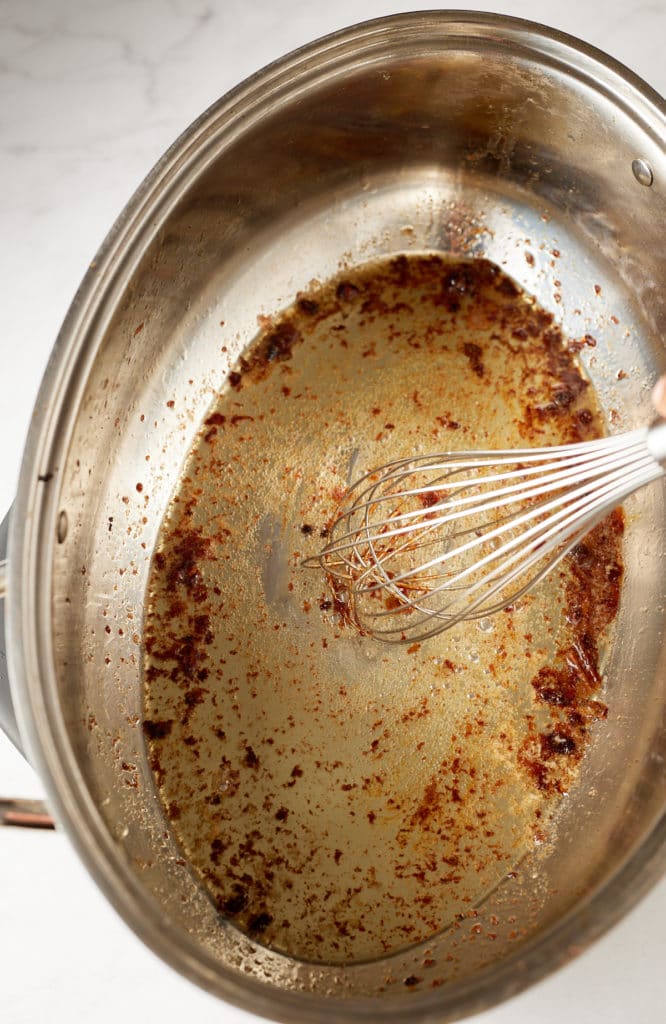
x=340 y=799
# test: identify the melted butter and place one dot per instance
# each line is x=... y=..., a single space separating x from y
x=338 y=798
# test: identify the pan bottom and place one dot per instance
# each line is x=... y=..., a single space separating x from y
x=340 y=800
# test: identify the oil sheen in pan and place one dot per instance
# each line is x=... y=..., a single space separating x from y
x=340 y=799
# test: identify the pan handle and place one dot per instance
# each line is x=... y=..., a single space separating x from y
x=7 y=714
x=24 y=813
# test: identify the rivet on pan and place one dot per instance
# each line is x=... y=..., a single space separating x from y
x=642 y=172
x=61 y=529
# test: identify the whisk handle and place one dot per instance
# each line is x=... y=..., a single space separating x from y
x=656 y=442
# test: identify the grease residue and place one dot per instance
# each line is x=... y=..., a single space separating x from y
x=341 y=800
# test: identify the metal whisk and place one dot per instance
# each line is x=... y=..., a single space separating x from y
x=424 y=542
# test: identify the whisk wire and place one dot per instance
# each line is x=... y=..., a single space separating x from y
x=429 y=540
x=563 y=531
x=575 y=500
x=552 y=479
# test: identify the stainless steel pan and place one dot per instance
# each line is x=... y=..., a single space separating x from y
x=476 y=133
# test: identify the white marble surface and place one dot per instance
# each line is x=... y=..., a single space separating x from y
x=91 y=93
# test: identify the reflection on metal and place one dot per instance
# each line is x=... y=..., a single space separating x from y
x=642 y=172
